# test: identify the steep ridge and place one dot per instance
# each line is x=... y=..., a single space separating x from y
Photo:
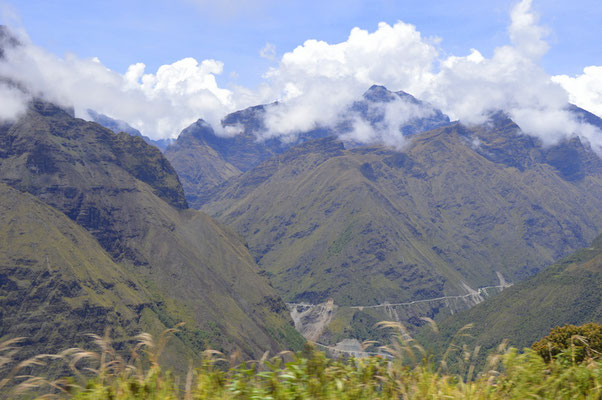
x=50 y=266
x=205 y=160
x=456 y=210
x=568 y=292
x=127 y=195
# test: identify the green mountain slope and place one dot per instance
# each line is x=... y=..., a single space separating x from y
x=57 y=284
x=367 y=226
x=127 y=195
x=568 y=292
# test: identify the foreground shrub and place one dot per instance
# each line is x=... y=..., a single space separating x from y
x=576 y=342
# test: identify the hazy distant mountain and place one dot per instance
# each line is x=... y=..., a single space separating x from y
x=370 y=225
x=165 y=262
x=118 y=126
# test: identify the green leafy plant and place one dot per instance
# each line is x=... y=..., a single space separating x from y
x=577 y=342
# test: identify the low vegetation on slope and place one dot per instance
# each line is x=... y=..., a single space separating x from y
x=366 y=226
x=568 y=292
x=57 y=282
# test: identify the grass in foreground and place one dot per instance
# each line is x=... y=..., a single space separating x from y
x=409 y=374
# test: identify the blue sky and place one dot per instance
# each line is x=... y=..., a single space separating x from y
x=159 y=32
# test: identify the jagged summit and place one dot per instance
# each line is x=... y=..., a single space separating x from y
x=422 y=116
x=379 y=94
x=199 y=130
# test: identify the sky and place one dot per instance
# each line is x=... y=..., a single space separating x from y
x=160 y=65
x=157 y=32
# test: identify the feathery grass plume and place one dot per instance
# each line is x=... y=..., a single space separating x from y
x=509 y=374
x=403 y=347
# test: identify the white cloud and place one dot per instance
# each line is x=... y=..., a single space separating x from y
x=394 y=114
x=160 y=105
x=525 y=34
x=584 y=90
x=317 y=82
x=268 y=52
x=12 y=102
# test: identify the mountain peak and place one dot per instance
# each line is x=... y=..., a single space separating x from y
x=198 y=130
x=379 y=94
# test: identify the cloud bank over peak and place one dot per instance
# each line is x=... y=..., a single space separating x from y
x=316 y=84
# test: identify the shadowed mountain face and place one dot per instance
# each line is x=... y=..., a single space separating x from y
x=568 y=292
x=204 y=160
x=128 y=197
x=50 y=266
x=366 y=226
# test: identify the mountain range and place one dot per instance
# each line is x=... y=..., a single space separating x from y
x=459 y=208
x=347 y=233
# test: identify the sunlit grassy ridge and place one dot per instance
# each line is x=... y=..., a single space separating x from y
x=567 y=292
x=409 y=374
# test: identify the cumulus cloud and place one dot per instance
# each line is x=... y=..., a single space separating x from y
x=317 y=81
x=584 y=90
x=160 y=104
